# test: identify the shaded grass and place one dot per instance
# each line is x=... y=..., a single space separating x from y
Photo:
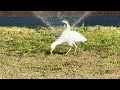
x=24 y=53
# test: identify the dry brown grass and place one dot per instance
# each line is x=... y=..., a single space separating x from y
x=85 y=65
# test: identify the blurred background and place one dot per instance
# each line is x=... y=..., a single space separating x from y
x=28 y=18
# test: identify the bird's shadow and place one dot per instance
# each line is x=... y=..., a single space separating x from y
x=48 y=52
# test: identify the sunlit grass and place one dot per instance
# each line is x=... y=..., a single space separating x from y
x=24 y=53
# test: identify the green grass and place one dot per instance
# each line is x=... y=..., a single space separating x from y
x=24 y=53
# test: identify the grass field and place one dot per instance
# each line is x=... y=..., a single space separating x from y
x=24 y=54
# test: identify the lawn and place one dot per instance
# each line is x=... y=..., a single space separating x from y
x=24 y=53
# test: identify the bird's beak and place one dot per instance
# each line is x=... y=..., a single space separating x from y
x=51 y=51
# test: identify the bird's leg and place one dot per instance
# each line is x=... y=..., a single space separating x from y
x=75 y=48
x=68 y=51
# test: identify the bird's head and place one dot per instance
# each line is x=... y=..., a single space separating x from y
x=65 y=21
x=53 y=45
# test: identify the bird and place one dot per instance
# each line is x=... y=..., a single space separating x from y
x=69 y=36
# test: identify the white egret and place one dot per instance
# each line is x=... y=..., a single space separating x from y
x=71 y=37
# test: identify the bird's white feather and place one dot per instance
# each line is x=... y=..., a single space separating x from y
x=71 y=37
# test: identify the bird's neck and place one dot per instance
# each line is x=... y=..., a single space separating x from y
x=57 y=42
x=54 y=44
x=68 y=26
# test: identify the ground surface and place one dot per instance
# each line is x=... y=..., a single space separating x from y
x=24 y=53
